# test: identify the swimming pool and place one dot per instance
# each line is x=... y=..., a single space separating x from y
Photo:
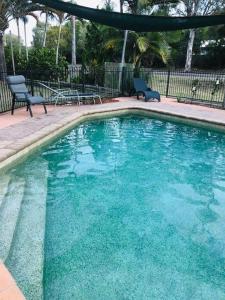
x=135 y=209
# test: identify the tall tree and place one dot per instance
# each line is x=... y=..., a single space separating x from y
x=7 y=8
x=139 y=7
x=122 y=63
x=61 y=17
x=23 y=9
x=10 y=9
x=74 y=40
x=45 y=10
x=48 y=15
x=18 y=33
x=193 y=8
x=25 y=21
x=74 y=52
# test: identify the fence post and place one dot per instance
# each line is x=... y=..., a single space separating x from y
x=31 y=82
x=83 y=78
x=168 y=83
x=224 y=98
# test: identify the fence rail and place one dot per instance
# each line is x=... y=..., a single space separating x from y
x=194 y=87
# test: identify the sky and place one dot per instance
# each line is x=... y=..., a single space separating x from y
x=31 y=24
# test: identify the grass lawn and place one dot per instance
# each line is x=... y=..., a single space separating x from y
x=181 y=86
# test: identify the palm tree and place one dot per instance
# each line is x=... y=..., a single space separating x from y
x=25 y=20
x=10 y=9
x=18 y=34
x=124 y=48
x=152 y=45
x=22 y=9
x=6 y=11
x=61 y=17
x=48 y=15
x=144 y=45
x=46 y=11
x=137 y=7
x=74 y=56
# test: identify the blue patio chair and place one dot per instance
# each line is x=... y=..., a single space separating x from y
x=141 y=88
x=20 y=93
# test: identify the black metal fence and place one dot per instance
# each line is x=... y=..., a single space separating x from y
x=98 y=81
x=194 y=87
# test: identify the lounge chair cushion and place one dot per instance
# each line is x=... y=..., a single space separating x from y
x=35 y=99
x=151 y=95
x=140 y=86
x=17 y=86
x=19 y=79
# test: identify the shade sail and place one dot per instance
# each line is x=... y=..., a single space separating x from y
x=134 y=22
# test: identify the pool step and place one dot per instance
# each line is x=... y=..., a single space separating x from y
x=9 y=212
x=26 y=258
x=4 y=182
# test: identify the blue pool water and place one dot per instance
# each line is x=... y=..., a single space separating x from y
x=135 y=210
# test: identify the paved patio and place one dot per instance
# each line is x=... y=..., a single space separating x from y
x=19 y=132
x=8 y=288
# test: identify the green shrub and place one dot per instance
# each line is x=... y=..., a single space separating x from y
x=41 y=64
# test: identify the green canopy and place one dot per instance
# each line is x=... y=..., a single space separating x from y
x=134 y=22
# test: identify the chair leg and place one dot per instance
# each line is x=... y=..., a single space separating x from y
x=30 y=110
x=27 y=107
x=13 y=106
x=45 y=108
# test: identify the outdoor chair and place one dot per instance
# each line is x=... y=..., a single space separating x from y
x=141 y=88
x=63 y=96
x=21 y=94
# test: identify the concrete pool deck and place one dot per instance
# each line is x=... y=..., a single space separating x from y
x=8 y=288
x=19 y=134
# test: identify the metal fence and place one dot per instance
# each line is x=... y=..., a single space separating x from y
x=195 y=87
x=98 y=81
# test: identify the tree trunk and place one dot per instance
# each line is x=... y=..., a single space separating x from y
x=2 y=57
x=123 y=51
x=45 y=31
x=18 y=34
x=12 y=54
x=74 y=56
x=123 y=58
x=58 y=43
x=189 y=50
x=121 y=6
x=25 y=36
